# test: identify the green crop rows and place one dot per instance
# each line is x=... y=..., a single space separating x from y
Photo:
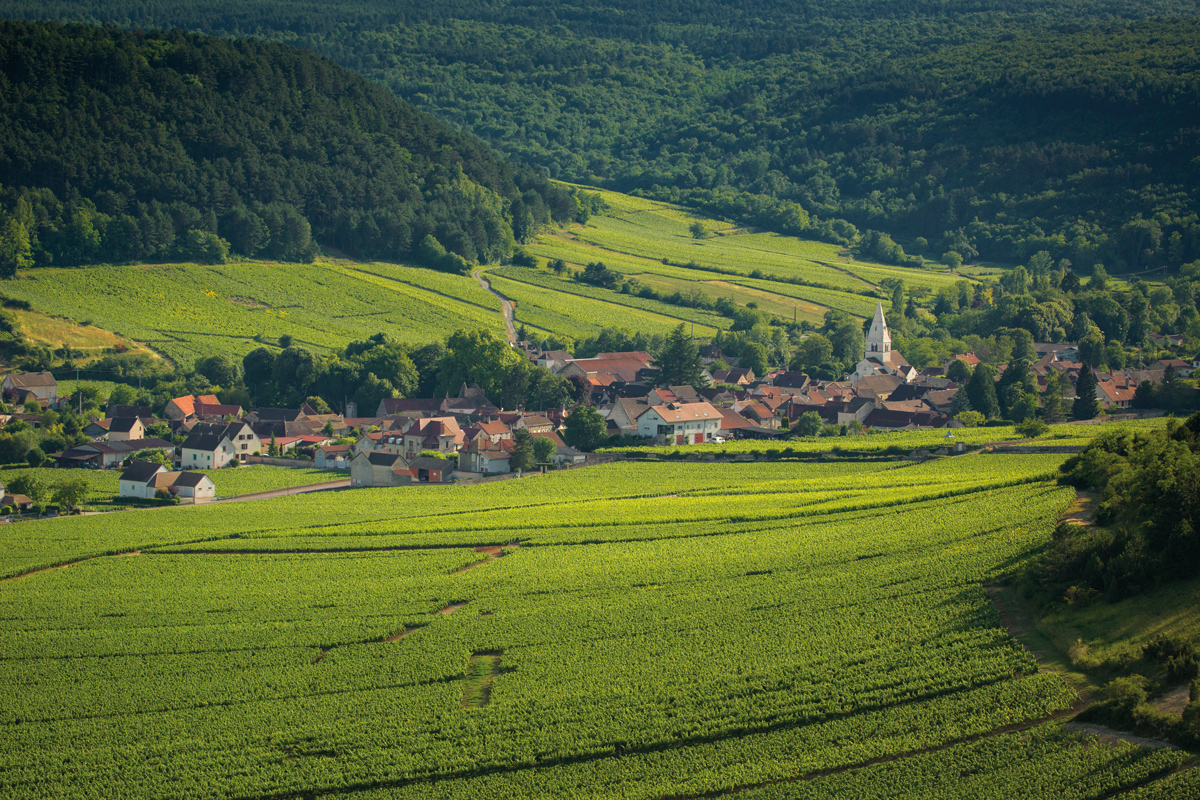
x=662 y=630
x=547 y=281
x=645 y=240
x=896 y=441
x=578 y=316
x=186 y=310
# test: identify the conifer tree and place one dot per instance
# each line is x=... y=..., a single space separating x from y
x=679 y=364
x=981 y=391
x=1086 y=405
x=1052 y=398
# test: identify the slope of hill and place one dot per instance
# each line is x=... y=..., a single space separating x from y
x=665 y=630
x=1003 y=127
x=118 y=147
x=187 y=311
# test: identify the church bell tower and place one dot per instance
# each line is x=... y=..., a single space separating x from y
x=879 y=341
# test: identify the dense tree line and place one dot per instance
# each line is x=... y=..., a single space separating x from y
x=118 y=147
x=1149 y=484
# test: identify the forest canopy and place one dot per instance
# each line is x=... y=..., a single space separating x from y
x=992 y=129
x=150 y=146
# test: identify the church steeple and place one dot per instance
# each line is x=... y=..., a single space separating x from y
x=879 y=341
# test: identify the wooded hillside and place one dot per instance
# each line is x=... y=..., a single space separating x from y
x=995 y=129
x=122 y=146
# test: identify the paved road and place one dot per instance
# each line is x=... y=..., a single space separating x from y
x=343 y=483
x=506 y=306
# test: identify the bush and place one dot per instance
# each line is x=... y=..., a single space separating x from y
x=970 y=419
x=1125 y=694
x=35 y=457
x=1032 y=428
x=1178 y=656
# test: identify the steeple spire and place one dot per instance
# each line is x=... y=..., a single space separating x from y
x=879 y=340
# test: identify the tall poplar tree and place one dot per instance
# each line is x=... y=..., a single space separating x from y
x=1086 y=405
x=1052 y=398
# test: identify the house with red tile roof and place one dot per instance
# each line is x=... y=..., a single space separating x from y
x=334 y=456
x=185 y=407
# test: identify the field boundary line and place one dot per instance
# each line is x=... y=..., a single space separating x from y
x=506 y=305
x=616 y=302
x=413 y=286
x=71 y=563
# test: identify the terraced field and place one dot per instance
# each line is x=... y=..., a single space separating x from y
x=632 y=630
x=708 y=319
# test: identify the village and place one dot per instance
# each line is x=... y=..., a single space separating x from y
x=165 y=452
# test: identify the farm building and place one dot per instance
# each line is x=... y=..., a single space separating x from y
x=144 y=479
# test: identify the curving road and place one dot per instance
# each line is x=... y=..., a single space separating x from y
x=506 y=306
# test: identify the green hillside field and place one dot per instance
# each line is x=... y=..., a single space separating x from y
x=632 y=630
x=187 y=311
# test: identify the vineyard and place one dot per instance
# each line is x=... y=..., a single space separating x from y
x=578 y=316
x=632 y=630
x=895 y=442
x=187 y=311
x=653 y=243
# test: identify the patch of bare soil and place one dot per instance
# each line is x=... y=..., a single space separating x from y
x=450 y=609
x=1174 y=701
x=398 y=636
x=1083 y=510
x=69 y=564
x=317 y=660
x=491 y=551
x=1114 y=738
